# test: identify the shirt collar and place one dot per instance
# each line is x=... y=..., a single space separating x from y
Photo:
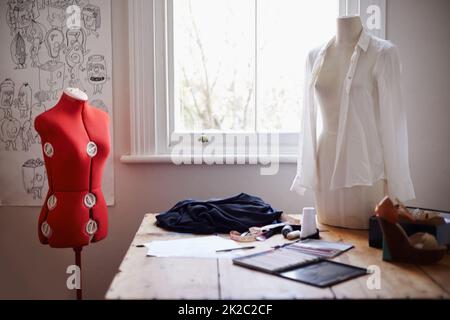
x=363 y=42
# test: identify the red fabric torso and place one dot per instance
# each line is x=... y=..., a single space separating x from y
x=76 y=143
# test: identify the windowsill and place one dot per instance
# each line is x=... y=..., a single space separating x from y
x=205 y=160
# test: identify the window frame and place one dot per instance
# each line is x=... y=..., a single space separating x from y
x=288 y=140
x=151 y=83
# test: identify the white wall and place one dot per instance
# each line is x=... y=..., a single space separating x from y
x=421 y=30
x=30 y=270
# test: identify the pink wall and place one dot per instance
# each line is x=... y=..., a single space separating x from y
x=31 y=271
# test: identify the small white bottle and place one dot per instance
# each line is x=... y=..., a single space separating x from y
x=309 y=226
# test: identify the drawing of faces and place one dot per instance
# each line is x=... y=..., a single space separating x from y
x=51 y=74
x=40 y=4
x=18 y=53
x=54 y=40
x=28 y=175
x=34 y=53
x=26 y=135
x=33 y=32
x=9 y=130
x=91 y=17
x=33 y=175
x=7 y=93
x=24 y=95
x=56 y=15
x=76 y=41
x=24 y=100
x=96 y=72
x=96 y=69
x=11 y=19
x=39 y=175
x=23 y=14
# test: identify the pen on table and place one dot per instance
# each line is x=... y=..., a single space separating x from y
x=240 y=248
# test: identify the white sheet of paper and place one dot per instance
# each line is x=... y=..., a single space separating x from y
x=198 y=247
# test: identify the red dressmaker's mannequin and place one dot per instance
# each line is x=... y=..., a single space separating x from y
x=76 y=143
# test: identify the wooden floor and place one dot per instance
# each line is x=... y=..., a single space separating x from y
x=142 y=277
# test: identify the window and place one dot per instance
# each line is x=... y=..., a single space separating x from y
x=228 y=67
x=238 y=64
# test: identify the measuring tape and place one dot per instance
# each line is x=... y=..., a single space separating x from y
x=255 y=233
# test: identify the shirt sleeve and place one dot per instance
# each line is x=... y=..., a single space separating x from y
x=393 y=125
x=306 y=177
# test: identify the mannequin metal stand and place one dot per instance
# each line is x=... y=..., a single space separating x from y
x=78 y=263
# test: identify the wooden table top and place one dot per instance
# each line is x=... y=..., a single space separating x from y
x=142 y=277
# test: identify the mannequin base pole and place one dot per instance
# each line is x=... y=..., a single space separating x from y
x=78 y=263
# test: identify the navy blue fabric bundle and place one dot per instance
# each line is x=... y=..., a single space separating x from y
x=237 y=213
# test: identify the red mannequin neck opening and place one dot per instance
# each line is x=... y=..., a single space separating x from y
x=67 y=101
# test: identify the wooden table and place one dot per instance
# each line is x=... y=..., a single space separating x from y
x=142 y=277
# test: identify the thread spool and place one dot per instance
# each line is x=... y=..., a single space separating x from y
x=293 y=235
x=286 y=230
x=309 y=226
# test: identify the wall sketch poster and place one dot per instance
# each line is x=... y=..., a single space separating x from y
x=46 y=46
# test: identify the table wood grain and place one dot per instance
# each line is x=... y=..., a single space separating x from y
x=142 y=277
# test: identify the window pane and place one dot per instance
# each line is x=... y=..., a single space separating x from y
x=214 y=50
x=287 y=31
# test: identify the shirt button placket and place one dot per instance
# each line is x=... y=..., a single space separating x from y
x=351 y=71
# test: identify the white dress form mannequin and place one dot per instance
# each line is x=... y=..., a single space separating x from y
x=345 y=207
x=76 y=94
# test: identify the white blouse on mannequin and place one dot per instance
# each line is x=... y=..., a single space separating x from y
x=371 y=133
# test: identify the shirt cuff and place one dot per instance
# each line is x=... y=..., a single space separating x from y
x=297 y=186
